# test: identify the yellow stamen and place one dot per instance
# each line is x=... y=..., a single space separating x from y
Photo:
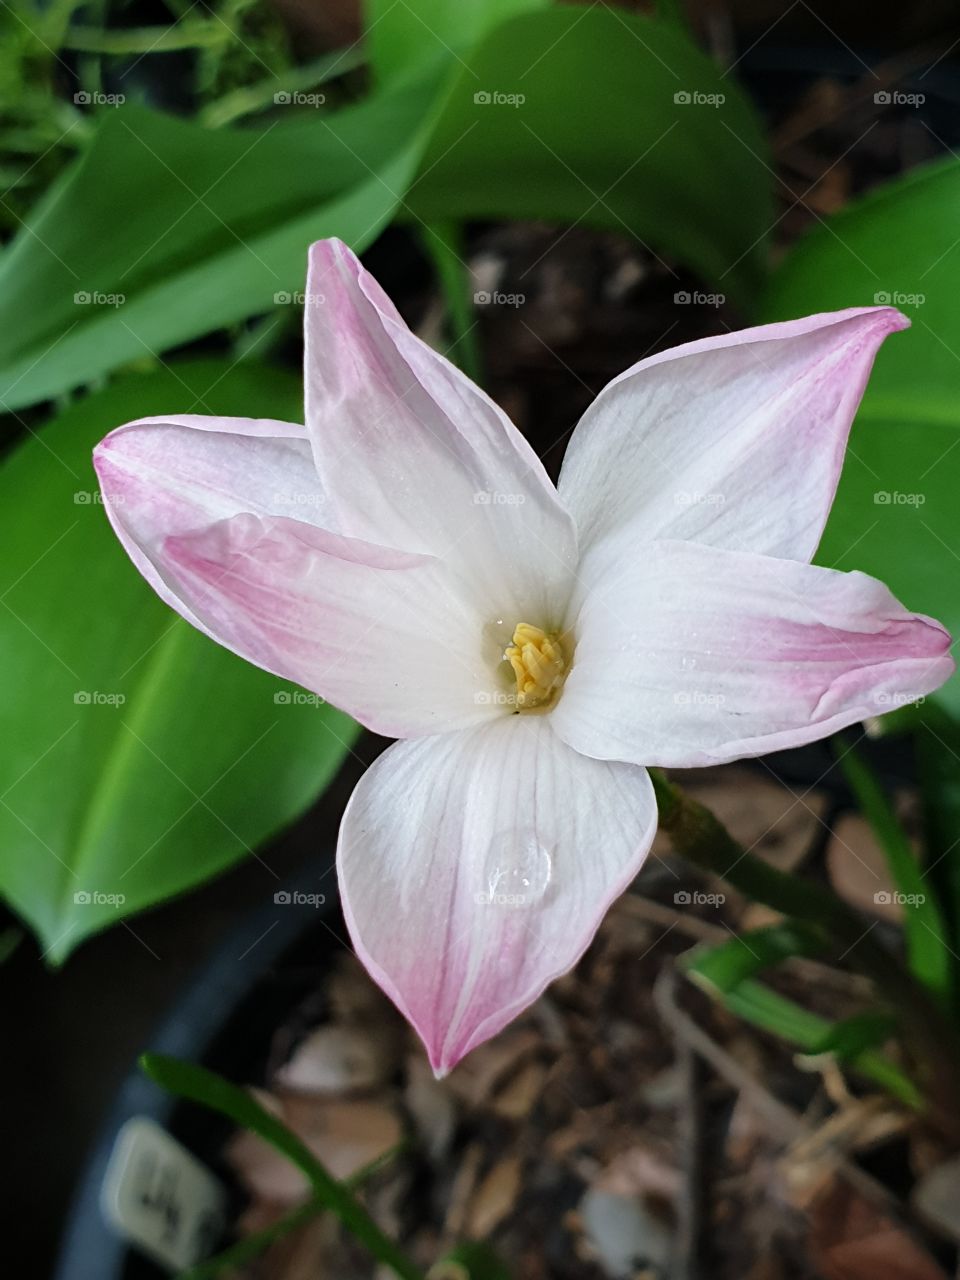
x=539 y=664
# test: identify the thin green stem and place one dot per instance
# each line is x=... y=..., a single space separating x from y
x=252 y=1246
x=255 y=97
x=444 y=243
x=139 y=40
x=244 y=1251
x=701 y=838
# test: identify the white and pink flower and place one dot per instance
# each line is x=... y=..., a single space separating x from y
x=405 y=556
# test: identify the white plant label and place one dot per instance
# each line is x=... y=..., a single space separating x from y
x=161 y=1198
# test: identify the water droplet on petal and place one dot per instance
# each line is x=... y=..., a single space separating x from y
x=517 y=869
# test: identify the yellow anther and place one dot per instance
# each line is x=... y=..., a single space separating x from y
x=539 y=664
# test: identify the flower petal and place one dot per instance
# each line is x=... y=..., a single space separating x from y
x=736 y=441
x=375 y=631
x=692 y=655
x=203 y=507
x=166 y=476
x=476 y=867
x=415 y=456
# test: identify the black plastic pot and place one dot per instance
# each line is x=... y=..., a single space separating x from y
x=269 y=965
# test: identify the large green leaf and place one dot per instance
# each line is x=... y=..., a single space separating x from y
x=137 y=758
x=603 y=135
x=896 y=514
x=165 y=230
x=169 y=230
x=899 y=244
x=404 y=39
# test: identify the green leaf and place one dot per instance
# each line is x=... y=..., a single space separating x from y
x=198 y=764
x=725 y=967
x=170 y=230
x=599 y=138
x=252 y=1246
x=471 y=1260
x=896 y=514
x=899 y=245
x=923 y=926
x=849 y=1038
x=762 y=1007
x=197 y=1084
x=938 y=753
x=726 y=973
x=405 y=39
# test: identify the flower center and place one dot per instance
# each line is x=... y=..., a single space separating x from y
x=539 y=660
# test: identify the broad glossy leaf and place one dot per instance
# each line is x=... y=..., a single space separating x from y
x=897 y=245
x=896 y=514
x=407 y=38
x=138 y=758
x=165 y=230
x=607 y=117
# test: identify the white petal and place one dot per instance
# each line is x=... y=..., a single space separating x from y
x=375 y=631
x=735 y=441
x=203 y=507
x=417 y=457
x=161 y=477
x=476 y=867
x=691 y=655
